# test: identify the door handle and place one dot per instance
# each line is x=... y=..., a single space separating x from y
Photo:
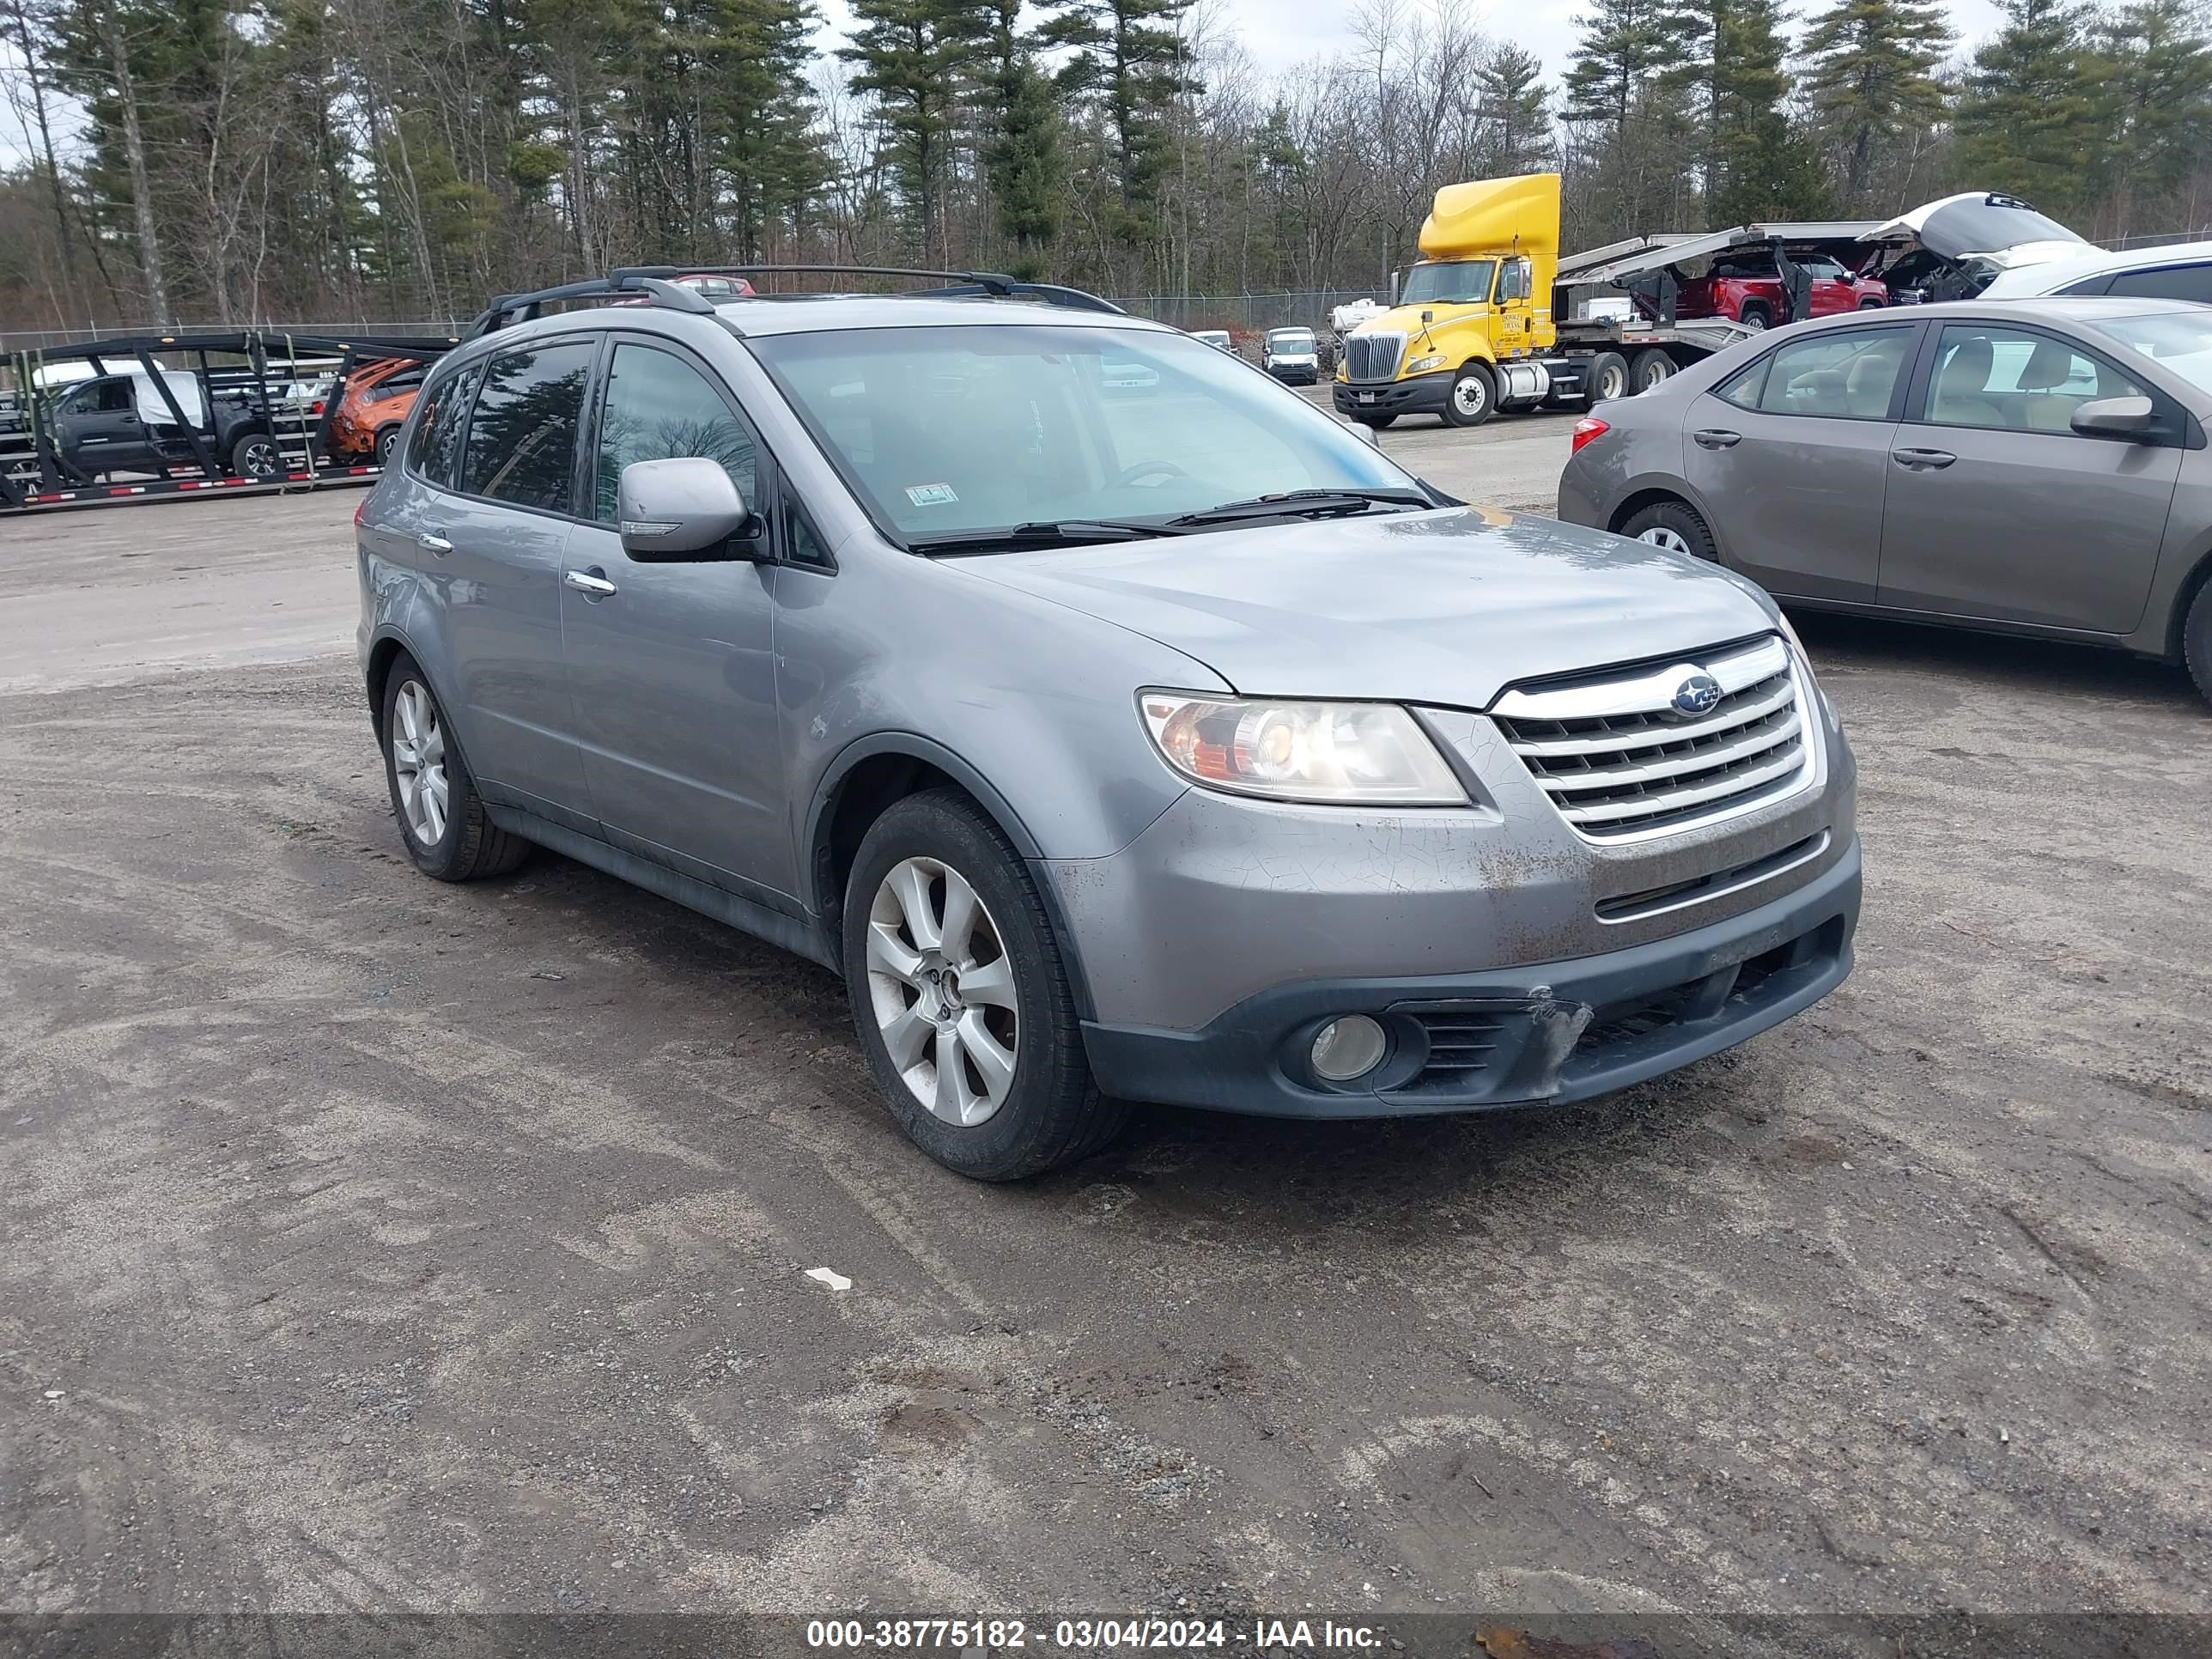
x=1917 y=459
x=1715 y=438
x=430 y=540
x=591 y=584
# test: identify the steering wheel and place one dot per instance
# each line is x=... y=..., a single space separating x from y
x=1144 y=469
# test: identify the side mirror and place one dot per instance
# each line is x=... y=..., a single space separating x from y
x=2131 y=418
x=681 y=510
x=1366 y=434
x=1428 y=317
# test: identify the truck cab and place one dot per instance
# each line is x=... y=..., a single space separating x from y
x=1473 y=318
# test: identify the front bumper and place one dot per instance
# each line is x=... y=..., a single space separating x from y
x=1422 y=394
x=1552 y=1032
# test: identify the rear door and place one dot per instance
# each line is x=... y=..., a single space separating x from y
x=1996 y=508
x=490 y=536
x=1792 y=458
x=673 y=666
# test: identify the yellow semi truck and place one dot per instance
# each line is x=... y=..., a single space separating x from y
x=1492 y=318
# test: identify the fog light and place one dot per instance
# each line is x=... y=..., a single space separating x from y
x=1348 y=1048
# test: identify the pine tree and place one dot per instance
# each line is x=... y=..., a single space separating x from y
x=1872 y=76
x=1625 y=44
x=915 y=56
x=2027 y=111
x=1022 y=161
x=1759 y=165
x=1514 y=112
x=1128 y=56
x=2154 y=71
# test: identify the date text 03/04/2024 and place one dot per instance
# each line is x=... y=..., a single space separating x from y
x=1078 y=1635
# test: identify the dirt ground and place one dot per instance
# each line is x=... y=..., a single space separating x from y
x=375 y=1244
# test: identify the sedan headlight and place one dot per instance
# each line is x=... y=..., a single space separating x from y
x=1423 y=364
x=1350 y=753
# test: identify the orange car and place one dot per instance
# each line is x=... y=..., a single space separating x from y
x=377 y=397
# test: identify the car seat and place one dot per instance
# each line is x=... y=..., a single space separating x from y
x=1868 y=383
x=1960 y=396
x=2042 y=405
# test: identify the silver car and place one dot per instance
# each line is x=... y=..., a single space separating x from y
x=1114 y=737
x=2024 y=466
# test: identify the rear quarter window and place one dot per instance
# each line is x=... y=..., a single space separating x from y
x=434 y=453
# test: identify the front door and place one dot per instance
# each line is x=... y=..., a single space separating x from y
x=1791 y=457
x=1996 y=508
x=100 y=430
x=674 y=669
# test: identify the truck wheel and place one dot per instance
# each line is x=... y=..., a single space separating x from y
x=1755 y=316
x=1652 y=366
x=1674 y=526
x=1607 y=377
x=1472 y=398
x=961 y=999
x=256 y=456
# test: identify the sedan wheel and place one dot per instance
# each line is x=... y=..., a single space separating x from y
x=941 y=986
x=1666 y=536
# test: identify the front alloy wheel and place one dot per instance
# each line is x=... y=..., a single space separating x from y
x=941 y=987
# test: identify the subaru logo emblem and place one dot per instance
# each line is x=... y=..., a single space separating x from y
x=1698 y=694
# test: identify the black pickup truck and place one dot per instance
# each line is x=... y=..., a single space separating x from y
x=122 y=423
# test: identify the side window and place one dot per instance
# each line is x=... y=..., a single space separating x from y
x=115 y=397
x=1848 y=375
x=659 y=406
x=436 y=454
x=2172 y=282
x=1513 y=281
x=521 y=445
x=806 y=546
x=2014 y=380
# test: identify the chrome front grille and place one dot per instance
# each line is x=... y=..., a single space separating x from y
x=1372 y=356
x=1621 y=758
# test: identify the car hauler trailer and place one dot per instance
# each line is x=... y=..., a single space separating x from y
x=1492 y=318
x=156 y=415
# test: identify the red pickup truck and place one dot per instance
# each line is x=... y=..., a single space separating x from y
x=1744 y=286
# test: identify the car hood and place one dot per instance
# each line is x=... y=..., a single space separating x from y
x=2002 y=229
x=1446 y=608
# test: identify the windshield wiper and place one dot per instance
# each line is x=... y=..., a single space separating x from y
x=1304 y=503
x=1048 y=532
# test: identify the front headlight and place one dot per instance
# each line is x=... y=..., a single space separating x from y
x=1349 y=753
x=1423 y=364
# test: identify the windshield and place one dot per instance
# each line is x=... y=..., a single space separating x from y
x=1464 y=281
x=2177 y=340
x=953 y=430
x=1292 y=339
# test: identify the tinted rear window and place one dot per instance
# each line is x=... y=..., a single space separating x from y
x=2166 y=282
x=522 y=435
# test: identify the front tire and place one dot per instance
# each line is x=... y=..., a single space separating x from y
x=442 y=822
x=1674 y=526
x=1472 y=398
x=961 y=998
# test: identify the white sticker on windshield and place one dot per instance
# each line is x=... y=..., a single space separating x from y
x=937 y=495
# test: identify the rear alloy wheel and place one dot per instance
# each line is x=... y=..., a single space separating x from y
x=1652 y=366
x=1472 y=398
x=387 y=441
x=1755 y=316
x=1869 y=305
x=1674 y=526
x=2197 y=641
x=1608 y=378
x=448 y=834
x=256 y=456
x=961 y=999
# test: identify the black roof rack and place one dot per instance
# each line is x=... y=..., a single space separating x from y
x=658 y=284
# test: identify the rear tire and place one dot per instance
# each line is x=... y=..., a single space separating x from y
x=256 y=456
x=1869 y=305
x=1608 y=378
x=1472 y=398
x=387 y=441
x=1676 y=526
x=1651 y=366
x=1755 y=316
x=442 y=821
x=1015 y=1096
x=2197 y=641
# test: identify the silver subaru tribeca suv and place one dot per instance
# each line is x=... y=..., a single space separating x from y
x=1115 y=723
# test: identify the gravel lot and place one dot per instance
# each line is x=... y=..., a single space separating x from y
x=373 y=1244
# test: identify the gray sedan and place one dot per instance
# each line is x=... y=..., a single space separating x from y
x=2023 y=467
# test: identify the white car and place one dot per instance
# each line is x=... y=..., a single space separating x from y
x=2173 y=270
x=1217 y=338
